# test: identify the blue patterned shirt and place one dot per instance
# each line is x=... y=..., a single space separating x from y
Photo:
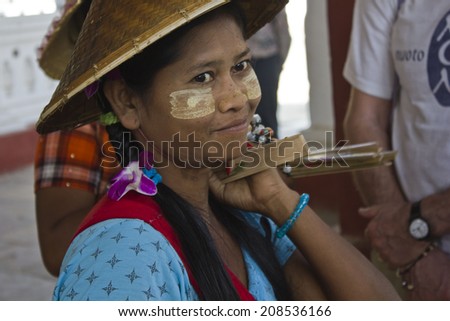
x=127 y=259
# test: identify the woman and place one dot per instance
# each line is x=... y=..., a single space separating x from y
x=190 y=236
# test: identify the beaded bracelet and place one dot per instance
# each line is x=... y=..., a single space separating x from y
x=304 y=199
x=401 y=272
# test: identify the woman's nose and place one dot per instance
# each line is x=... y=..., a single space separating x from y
x=232 y=96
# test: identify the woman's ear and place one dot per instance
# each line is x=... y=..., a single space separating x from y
x=120 y=98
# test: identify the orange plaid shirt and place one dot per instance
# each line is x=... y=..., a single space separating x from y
x=81 y=158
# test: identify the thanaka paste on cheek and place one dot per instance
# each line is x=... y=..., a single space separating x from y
x=192 y=103
x=252 y=84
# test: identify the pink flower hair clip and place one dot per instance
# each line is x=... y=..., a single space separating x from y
x=142 y=178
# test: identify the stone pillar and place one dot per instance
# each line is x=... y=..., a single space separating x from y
x=318 y=57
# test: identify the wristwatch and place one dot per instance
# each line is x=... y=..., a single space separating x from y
x=418 y=226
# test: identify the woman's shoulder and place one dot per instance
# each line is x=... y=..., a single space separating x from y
x=122 y=259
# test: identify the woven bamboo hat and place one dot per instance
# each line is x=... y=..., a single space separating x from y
x=57 y=46
x=114 y=31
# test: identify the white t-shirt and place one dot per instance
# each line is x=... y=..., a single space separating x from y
x=400 y=49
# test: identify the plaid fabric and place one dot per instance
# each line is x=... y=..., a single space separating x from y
x=82 y=158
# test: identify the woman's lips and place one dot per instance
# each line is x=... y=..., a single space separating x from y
x=235 y=126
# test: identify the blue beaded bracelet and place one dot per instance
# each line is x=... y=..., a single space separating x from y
x=304 y=199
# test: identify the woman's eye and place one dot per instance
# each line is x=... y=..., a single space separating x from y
x=203 y=78
x=243 y=65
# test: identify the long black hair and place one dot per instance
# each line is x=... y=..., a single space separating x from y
x=197 y=244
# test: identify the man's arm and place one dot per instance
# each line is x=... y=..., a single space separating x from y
x=436 y=210
x=368 y=119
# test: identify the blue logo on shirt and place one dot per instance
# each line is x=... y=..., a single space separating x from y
x=439 y=62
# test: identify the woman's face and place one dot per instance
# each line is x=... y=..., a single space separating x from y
x=202 y=103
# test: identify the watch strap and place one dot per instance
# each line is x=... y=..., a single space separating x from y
x=415 y=211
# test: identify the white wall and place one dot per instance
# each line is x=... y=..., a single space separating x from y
x=293 y=91
x=24 y=89
x=305 y=91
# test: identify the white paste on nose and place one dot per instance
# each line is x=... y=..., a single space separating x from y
x=252 y=84
x=192 y=103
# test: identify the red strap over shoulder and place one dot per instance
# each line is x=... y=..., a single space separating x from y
x=133 y=205
x=137 y=206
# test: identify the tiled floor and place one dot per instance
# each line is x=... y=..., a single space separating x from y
x=22 y=275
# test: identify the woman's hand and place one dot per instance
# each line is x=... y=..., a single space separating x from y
x=261 y=193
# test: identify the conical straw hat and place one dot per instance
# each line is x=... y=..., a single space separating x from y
x=116 y=30
x=57 y=45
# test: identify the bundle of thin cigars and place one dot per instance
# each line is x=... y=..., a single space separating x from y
x=296 y=158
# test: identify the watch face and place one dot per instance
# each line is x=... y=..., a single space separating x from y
x=418 y=229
